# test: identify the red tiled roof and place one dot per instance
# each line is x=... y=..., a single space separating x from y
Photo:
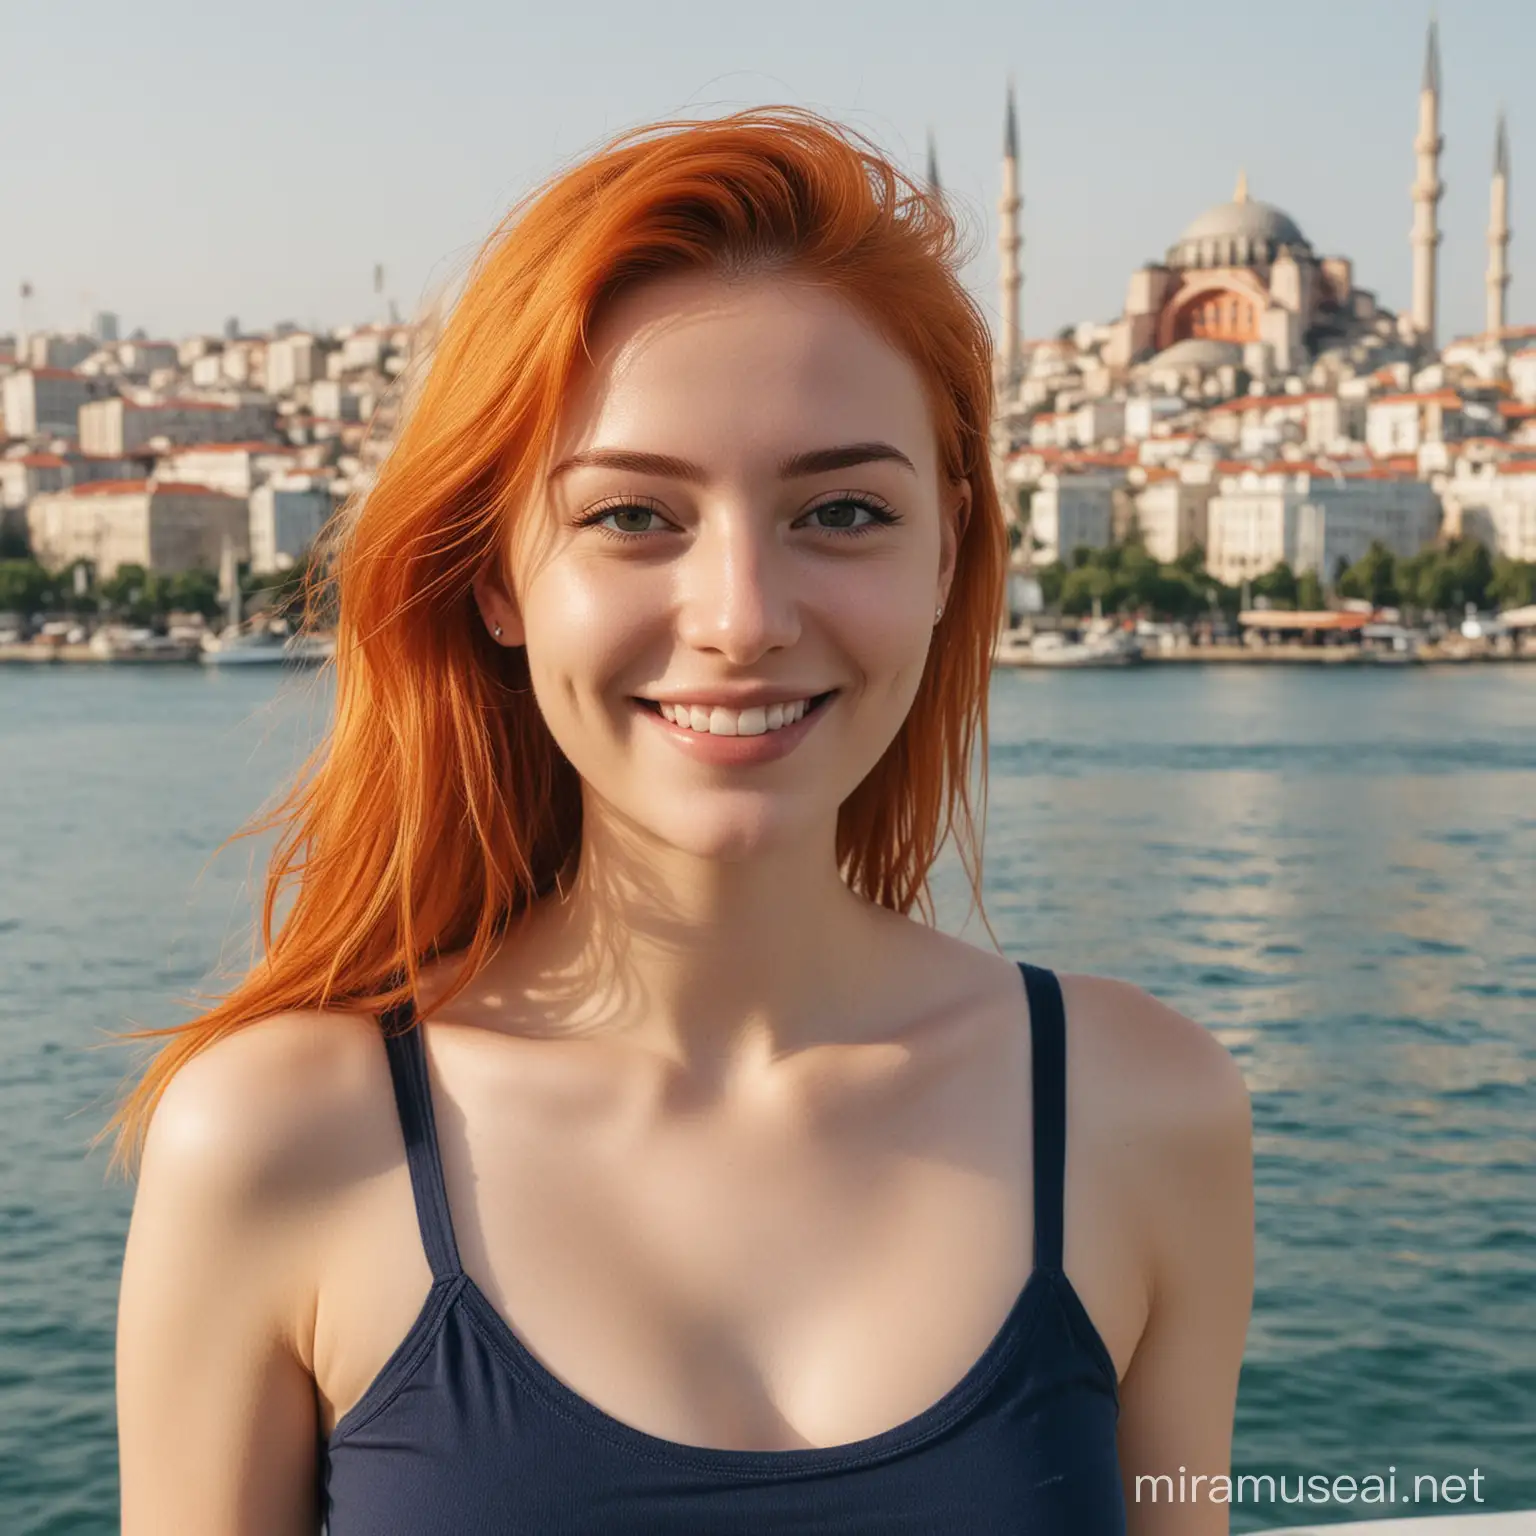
x=138 y=487
x=1265 y=402
x=1424 y=397
x=251 y=447
x=42 y=460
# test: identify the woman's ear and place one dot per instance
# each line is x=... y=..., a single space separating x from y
x=951 y=530
x=497 y=610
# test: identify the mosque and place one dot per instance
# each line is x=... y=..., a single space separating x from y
x=1242 y=286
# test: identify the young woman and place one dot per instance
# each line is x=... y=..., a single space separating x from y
x=600 y=1145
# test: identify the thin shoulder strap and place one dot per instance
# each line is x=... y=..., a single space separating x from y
x=1048 y=1077
x=413 y=1099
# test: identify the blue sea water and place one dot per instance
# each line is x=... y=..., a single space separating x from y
x=1334 y=870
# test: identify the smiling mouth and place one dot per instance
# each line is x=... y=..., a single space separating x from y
x=815 y=702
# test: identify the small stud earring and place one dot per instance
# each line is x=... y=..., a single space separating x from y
x=938 y=613
x=497 y=631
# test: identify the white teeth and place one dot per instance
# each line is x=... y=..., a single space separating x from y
x=719 y=721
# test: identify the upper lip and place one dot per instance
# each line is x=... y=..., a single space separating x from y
x=738 y=698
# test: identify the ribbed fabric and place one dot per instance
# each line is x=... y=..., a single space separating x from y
x=465 y=1433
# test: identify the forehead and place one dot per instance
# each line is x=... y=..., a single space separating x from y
x=708 y=367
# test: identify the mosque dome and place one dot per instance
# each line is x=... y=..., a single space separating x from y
x=1203 y=352
x=1242 y=233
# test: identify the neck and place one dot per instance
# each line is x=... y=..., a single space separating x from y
x=707 y=961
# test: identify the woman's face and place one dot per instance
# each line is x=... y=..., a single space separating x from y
x=690 y=559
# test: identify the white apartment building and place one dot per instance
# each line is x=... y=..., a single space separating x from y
x=234 y=468
x=38 y=402
x=1068 y=509
x=331 y=400
x=244 y=361
x=1172 y=511
x=1522 y=375
x=292 y=360
x=1400 y=424
x=1496 y=504
x=1312 y=518
x=49 y=349
x=28 y=475
x=118 y=426
x=163 y=526
x=1144 y=412
x=286 y=516
x=143 y=357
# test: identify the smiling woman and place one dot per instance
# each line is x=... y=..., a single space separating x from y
x=600 y=1144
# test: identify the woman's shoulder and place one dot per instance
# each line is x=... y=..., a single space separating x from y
x=1170 y=1074
x=287 y=1105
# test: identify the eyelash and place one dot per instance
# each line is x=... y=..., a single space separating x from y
x=882 y=515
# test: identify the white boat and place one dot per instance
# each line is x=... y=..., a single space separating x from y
x=1053 y=649
x=119 y=642
x=233 y=647
x=1389 y=645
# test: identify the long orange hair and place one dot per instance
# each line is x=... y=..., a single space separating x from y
x=439 y=807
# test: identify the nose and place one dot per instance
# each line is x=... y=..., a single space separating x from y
x=738 y=589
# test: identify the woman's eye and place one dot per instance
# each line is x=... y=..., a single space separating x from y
x=631 y=520
x=845 y=510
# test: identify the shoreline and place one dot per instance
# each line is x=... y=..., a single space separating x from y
x=28 y=655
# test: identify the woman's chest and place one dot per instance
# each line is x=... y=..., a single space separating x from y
x=783 y=1275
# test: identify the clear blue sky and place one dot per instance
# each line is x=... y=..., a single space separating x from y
x=180 y=162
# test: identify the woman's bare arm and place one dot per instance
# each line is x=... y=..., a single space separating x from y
x=1195 y=1171
x=217 y=1419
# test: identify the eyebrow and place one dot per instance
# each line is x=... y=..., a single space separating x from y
x=815 y=461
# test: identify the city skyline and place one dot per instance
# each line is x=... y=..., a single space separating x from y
x=341 y=150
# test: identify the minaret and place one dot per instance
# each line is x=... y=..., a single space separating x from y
x=1498 y=231
x=933 y=168
x=1427 y=191
x=1009 y=242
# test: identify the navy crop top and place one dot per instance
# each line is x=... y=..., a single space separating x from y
x=464 y=1433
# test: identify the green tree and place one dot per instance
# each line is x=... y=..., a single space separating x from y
x=26 y=588
x=1309 y=592
x=194 y=591
x=129 y=594
x=1192 y=560
x=1514 y=582
x=1278 y=584
x=1373 y=576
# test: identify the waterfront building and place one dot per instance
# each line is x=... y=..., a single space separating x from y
x=1495 y=503
x=1313 y=516
x=1068 y=508
x=286 y=516
x=165 y=526
x=1173 y=508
